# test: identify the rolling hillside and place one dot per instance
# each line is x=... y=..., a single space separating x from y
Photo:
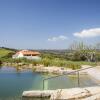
x=5 y=52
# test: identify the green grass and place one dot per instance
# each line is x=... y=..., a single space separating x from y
x=65 y=63
x=83 y=63
x=4 y=52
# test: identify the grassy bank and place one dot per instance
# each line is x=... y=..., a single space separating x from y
x=49 y=62
x=65 y=63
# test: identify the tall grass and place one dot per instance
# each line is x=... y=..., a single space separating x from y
x=50 y=62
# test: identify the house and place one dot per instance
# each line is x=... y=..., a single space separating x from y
x=27 y=54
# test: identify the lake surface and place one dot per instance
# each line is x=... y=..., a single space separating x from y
x=13 y=83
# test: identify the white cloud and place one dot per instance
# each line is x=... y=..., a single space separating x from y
x=88 y=33
x=58 y=38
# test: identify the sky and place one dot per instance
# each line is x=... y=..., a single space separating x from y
x=48 y=24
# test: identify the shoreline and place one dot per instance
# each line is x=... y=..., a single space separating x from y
x=42 y=69
x=93 y=72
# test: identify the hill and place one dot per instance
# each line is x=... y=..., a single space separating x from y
x=4 y=52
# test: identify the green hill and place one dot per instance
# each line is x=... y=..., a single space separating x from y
x=5 y=52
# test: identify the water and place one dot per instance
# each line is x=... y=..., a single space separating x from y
x=13 y=83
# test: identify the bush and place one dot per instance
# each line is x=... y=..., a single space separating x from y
x=0 y=62
x=73 y=66
x=46 y=62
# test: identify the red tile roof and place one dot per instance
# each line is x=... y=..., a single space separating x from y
x=28 y=52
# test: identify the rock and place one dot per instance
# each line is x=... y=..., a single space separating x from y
x=37 y=94
x=88 y=93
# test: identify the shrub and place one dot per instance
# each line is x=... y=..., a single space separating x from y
x=46 y=62
x=0 y=62
x=73 y=66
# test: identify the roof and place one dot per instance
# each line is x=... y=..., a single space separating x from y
x=26 y=52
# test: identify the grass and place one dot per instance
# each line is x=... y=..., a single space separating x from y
x=4 y=52
x=51 y=62
x=83 y=63
x=64 y=63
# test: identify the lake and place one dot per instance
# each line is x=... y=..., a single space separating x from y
x=13 y=83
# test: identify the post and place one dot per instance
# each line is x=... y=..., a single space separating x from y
x=43 y=84
x=78 y=79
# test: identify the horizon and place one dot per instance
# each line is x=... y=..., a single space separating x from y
x=48 y=24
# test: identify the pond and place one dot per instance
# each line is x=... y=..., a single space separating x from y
x=13 y=83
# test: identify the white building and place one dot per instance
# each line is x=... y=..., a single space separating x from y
x=27 y=54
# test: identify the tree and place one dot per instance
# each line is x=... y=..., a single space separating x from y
x=83 y=51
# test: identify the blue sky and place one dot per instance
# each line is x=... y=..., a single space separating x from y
x=48 y=24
